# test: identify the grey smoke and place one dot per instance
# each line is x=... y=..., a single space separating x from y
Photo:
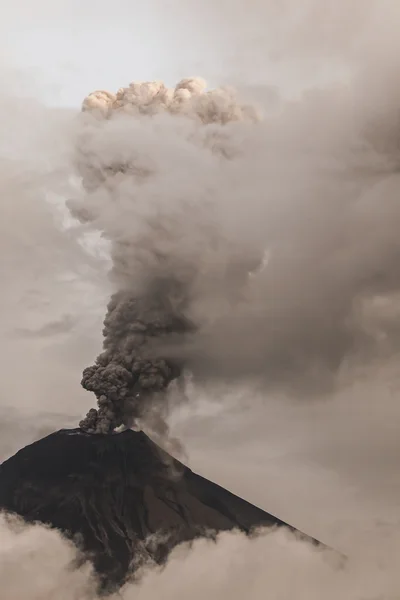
x=243 y=248
x=153 y=278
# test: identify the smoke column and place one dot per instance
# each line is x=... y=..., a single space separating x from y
x=242 y=248
x=154 y=280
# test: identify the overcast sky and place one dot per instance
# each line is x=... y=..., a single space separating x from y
x=71 y=47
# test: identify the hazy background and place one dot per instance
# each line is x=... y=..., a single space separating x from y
x=329 y=465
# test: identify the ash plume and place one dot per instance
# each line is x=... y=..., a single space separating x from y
x=153 y=281
x=242 y=247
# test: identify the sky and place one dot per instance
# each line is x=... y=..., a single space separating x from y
x=69 y=48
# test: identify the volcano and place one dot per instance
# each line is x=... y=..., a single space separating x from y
x=120 y=498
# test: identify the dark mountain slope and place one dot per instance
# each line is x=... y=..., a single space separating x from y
x=120 y=497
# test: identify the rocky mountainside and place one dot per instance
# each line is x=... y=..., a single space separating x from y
x=119 y=497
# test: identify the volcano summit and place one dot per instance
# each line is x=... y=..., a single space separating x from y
x=120 y=498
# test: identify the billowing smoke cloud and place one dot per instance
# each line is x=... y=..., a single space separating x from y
x=156 y=264
x=262 y=249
